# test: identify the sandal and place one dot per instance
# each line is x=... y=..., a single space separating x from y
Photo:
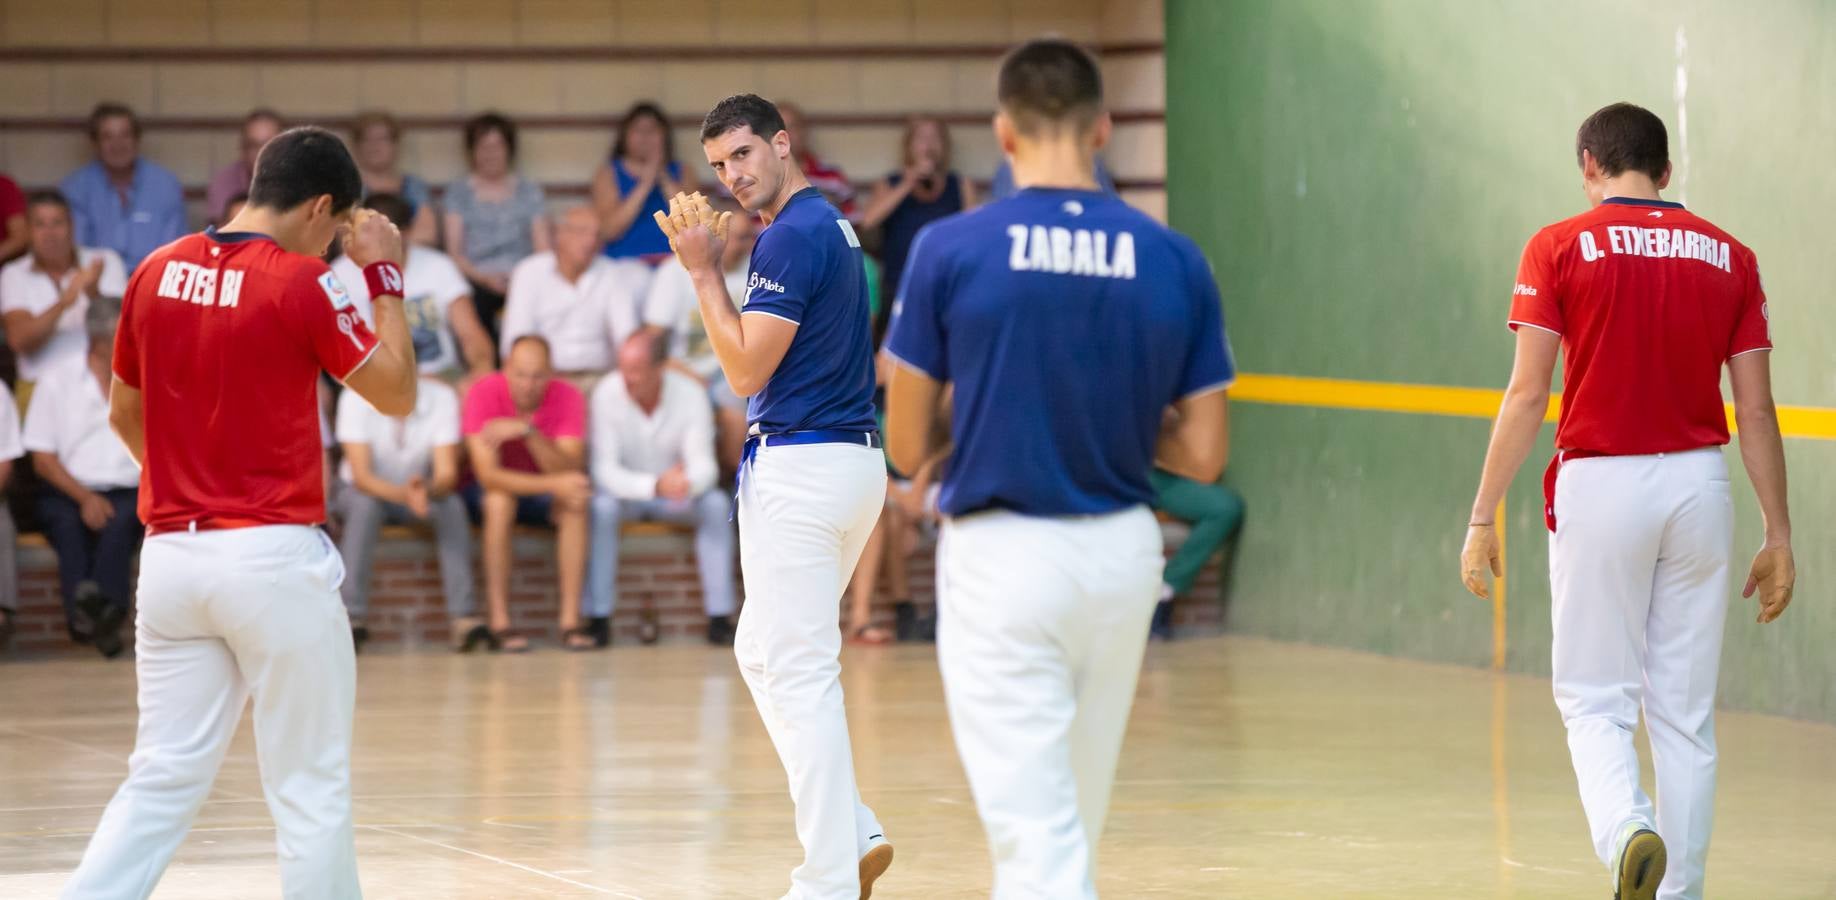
x=578 y=639
x=870 y=634
x=509 y=641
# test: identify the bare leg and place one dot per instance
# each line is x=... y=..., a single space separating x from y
x=499 y=519
x=570 y=557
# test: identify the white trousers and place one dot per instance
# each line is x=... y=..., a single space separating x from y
x=225 y=616
x=1041 y=628
x=805 y=513
x=1638 y=566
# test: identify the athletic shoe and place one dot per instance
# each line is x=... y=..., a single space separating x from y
x=106 y=617
x=720 y=631
x=600 y=627
x=1638 y=860
x=1162 y=627
x=874 y=863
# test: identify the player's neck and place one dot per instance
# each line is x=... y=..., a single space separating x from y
x=794 y=181
x=253 y=218
x=1630 y=186
x=1054 y=164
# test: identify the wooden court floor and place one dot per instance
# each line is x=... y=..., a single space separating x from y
x=1253 y=769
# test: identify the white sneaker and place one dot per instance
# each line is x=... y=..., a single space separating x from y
x=874 y=863
x=1638 y=863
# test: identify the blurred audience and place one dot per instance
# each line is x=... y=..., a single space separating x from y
x=824 y=177
x=122 y=201
x=13 y=240
x=10 y=451
x=401 y=470
x=1214 y=512
x=376 y=141
x=89 y=510
x=258 y=129
x=926 y=190
x=636 y=181
x=653 y=461
x=449 y=341
x=494 y=217
x=525 y=432
x=672 y=310
x=581 y=303
x=45 y=295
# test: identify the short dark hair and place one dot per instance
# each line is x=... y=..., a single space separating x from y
x=109 y=109
x=303 y=163
x=1625 y=138
x=484 y=123
x=393 y=208
x=1049 y=82
x=644 y=109
x=743 y=110
x=48 y=197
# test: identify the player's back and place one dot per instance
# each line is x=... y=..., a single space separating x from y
x=1650 y=300
x=1068 y=322
x=224 y=334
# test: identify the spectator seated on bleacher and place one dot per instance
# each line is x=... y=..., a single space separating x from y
x=88 y=500
x=10 y=450
x=653 y=461
x=672 y=310
x=636 y=180
x=495 y=218
x=399 y=471
x=1214 y=512
x=583 y=304
x=449 y=341
x=376 y=140
x=122 y=201
x=260 y=127
x=45 y=294
x=525 y=432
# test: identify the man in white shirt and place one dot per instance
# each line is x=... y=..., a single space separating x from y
x=403 y=470
x=10 y=450
x=88 y=507
x=582 y=303
x=671 y=307
x=653 y=460
x=448 y=338
x=45 y=293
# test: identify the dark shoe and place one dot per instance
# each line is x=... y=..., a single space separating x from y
x=469 y=633
x=600 y=627
x=360 y=635
x=6 y=627
x=927 y=629
x=1162 y=628
x=905 y=620
x=647 y=628
x=105 y=616
x=720 y=631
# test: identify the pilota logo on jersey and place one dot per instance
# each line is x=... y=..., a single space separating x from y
x=335 y=292
x=760 y=283
x=1524 y=290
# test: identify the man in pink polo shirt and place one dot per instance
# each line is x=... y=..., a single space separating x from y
x=525 y=431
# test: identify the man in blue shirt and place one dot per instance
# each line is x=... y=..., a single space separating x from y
x=813 y=479
x=130 y=205
x=1068 y=324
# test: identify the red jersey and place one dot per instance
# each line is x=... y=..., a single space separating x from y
x=831 y=182
x=1650 y=301
x=224 y=335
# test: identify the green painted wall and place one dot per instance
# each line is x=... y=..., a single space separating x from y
x=1363 y=176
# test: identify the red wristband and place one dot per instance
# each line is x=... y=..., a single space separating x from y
x=383 y=278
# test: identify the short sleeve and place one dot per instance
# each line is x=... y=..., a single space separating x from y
x=12 y=285
x=565 y=415
x=916 y=336
x=480 y=405
x=1534 y=299
x=329 y=318
x=114 y=275
x=10 y=448
x=443 y=420
x=126 y=362
x=40 y=431
x=354 y=414
x=1209 y=365
x=783 y=275
x=448 y=285
x=1753 y=330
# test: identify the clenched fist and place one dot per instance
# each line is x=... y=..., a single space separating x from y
x=372 y=238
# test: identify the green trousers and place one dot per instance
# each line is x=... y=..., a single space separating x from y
x=1214 y=512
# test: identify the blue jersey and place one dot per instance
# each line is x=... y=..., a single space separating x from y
x=1068 y=322
x=806 y=269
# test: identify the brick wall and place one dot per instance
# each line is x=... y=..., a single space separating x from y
x=656 y=572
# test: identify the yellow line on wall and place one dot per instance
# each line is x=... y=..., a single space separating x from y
x=1808 y=422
